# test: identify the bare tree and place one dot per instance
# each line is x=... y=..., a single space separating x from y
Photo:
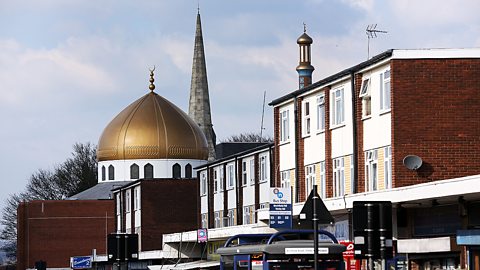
x=249 y=137
x=77 y=173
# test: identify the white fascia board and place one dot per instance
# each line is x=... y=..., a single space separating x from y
x=436 y=53
x=151 y=254
x=424 y=245
x=426 y=191
x=313 y=91
x=374 y=66
x=287 y=102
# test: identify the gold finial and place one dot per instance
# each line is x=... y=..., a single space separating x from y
x=304 y=28
x=152 y=86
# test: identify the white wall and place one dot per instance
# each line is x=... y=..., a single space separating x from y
x=162 y=168
x=342 y=136
x=287 y=149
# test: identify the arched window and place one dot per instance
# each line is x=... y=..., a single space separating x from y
x=148 y=171
x=111 y=172
x=103 y=173
x=177 y=171
x=134 y=171
x=188 y=171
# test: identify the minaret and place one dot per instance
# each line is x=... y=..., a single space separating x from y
x=199 y=108
x=304 y=68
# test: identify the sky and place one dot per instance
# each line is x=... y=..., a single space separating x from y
x=67 y=67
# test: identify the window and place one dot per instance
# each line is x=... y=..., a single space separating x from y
x=111 y=172
x=246 y=215
x=338 y=177
x=221 y=177
x=284 y=125
x=204 y=221
x=371 y=169
x=252 y=171
x=136 y=198
x=321 y=113
x=231 y=217
x=177 y=171
x=385 y=90
x=323 y=184
x=134 y=171
x=306 y=118
x=127 y=201
x=244 y=173
x=263 y=168
x=285 y=179
x=203 y=183
x=337 y=106
x=366 y=98
x=103 y=173
x=215 y=180
x=309 y=179
x=148 y=171
x=188 y=171
x=218 y=220
x=264 y=205
x=230 y=177
x=388 y=166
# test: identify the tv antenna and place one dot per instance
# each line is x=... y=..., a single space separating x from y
x=263 y=114
x=371 y=32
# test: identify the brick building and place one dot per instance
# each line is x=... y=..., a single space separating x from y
x=53 y=231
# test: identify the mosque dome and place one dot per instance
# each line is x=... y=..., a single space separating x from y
x=152 y=128
x=304 y=39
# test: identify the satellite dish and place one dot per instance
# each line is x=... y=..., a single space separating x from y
x=412 y=162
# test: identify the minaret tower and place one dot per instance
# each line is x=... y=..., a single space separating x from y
x=199 y=107
x=304 y=68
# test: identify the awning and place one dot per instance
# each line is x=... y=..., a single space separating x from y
x=185 y=266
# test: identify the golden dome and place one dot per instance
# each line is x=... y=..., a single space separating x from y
x=152 y=128
x=304 y=39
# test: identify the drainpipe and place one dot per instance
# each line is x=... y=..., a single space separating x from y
x=295 y=122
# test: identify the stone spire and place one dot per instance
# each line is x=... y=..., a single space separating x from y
x=199 y=107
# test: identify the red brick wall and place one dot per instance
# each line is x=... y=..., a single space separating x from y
x=276 y=140
x=360 y=162
x=328 y=146
x=54 y=231
x=436 y=116
x=168 y=206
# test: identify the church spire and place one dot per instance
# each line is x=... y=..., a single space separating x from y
x=199 y=107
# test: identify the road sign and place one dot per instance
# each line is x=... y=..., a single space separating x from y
x=202 y=235
x=81 y=262
x=280 y=208
x=306 y=215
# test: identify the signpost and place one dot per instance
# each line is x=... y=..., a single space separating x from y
x=81 y=262
x=280 y=208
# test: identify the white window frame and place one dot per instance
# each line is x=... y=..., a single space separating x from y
x=337 y=105
x=371 y=169
x=128 y=203
x=366 y=97
x=339 y=177
x=321 y=113
x=323 y=182
x=136 y=198
x=388 y=166
x=385 y=89
x=263 y=168
x=230 y=176
x=220 y=177
x=231 y=217
x=246 y=215
x=285 y=179
x=244 y=173
x=306 y=123
x=215 y=180
x=205 y=221
x=203 y=183
x=218 y=219
x=284 y=126
x=252 y=171
x=309 y=179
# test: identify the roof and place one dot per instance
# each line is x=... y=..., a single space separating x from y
x=333 y=77
x=101 y=191
x=251 y=150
